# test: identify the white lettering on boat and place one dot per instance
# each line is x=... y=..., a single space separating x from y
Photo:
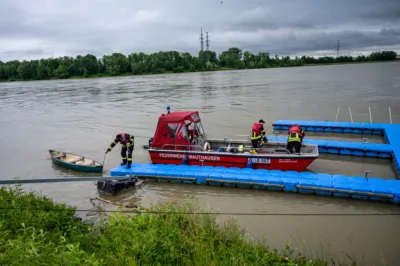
x=204 y=157
x=190 y=156
x=261 y=160
x=171 y=155
x=287 y=161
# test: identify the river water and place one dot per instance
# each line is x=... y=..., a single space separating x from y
x=83 y=116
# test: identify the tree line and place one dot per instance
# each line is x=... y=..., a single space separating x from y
x=163 y=62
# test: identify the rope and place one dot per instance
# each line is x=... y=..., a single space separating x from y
x=206 y=213
x=125 y=204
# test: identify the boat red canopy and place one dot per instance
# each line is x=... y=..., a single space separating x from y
x=180 y=116
x=172 y=129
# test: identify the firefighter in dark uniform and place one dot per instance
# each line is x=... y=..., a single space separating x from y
x=127 y=145
x=258 y=137
x=295 y=138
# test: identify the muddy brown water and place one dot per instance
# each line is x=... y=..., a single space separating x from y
x=83 y=116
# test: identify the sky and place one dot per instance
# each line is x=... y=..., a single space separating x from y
x=34 y=29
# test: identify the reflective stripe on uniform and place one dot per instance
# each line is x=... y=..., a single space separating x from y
x=294 y=137
x=255 y=136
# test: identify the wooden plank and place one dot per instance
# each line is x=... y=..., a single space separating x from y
x=74 y=161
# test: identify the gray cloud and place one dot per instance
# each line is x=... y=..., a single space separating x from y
x=55 y=28
x=382 y=11
x=324 y=43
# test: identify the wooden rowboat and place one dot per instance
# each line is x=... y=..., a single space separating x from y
x=76 y=162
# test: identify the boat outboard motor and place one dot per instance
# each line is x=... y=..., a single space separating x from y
x=150 y=141
x=114 y=186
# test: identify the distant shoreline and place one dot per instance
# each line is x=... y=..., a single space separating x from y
x=199 y=71
x=352 y=63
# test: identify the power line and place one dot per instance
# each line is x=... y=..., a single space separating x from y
x=205 y=213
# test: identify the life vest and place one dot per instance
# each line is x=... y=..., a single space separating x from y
x=123 y=138
x=294 y=136
x=256 y=128
x=294 y=129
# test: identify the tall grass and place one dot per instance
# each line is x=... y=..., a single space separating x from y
x=34 y=230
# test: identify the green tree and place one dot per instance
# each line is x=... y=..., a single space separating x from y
x=3 y=75
x=163 y=61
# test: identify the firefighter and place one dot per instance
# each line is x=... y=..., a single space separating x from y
x=192 y=132
x=258 y=137
x=127 y=145
x=295 y=138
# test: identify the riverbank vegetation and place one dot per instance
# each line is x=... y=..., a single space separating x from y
x=118 y=64
x=34 y=230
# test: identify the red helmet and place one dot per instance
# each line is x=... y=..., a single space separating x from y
x=123 y=139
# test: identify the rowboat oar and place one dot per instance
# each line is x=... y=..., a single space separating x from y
x=104 y=159
x=105 y=154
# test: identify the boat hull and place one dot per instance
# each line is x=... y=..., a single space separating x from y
x=284 y=163
x=95 y=168
x=80 y=168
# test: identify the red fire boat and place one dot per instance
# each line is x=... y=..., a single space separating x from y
x=171 y=144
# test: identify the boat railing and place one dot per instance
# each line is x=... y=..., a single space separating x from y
x=236 y=138
x=186 y=147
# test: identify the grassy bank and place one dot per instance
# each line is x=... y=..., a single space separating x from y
x=34 y=230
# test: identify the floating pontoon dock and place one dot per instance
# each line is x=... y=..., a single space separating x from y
x=355 y=187
x=389 y=131
x=346 y=147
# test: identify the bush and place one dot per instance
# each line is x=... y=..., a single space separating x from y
x=36 y=231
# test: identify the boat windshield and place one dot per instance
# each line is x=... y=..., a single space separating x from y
x=185 y=133
x=199 y=128
x=196 y=128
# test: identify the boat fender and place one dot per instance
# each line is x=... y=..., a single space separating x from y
x=207 y=146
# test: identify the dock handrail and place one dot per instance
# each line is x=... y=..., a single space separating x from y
x=351 y=117
x=370 y=116
x=337 y=113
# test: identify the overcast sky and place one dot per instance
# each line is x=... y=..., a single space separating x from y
x=32 y=29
